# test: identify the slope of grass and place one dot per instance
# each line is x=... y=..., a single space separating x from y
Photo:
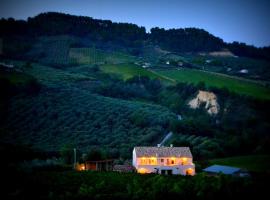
x=237 y=85
x=256 y=163
x=127 y=71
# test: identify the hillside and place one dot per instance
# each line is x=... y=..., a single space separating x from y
x=88 y=83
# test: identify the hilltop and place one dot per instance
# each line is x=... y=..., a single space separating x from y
x=109 y=35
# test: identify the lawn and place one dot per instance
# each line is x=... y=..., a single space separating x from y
x=234 y=84
x=256 y=163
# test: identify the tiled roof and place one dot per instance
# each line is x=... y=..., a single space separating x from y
x=163 y=152
x=222 y=169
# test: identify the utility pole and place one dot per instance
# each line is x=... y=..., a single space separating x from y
x=74 y=166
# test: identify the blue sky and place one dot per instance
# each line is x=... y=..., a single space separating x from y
x=232 y=20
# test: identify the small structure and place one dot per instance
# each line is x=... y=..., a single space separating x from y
x=163 y=160
x=146 y=65
x=123 y=168
x=99 y=165
x=243 y=71
x=228 y=170
x=180 y=64
x=7 y=67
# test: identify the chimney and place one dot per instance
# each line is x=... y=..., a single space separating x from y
x=158 y=145
x=171 y=145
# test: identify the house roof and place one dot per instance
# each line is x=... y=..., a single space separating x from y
x=222 y=169
x=163 y=152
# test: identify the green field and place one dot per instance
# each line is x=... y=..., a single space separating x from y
x=234 y=84
x=256 y=163
x=127 y=71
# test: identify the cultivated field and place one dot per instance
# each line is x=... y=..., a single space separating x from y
x=127 y=71
x=234 y=84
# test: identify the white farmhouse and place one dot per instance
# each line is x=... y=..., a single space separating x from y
x=163 y=160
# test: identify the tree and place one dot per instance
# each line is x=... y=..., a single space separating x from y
x=67 y=153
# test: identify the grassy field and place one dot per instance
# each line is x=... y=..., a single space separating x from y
x=256 y=163
x=127 y=71
x=237 y=85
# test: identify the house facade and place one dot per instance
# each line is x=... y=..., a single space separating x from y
x=163 y=160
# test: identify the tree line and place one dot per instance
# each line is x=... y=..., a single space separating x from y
x=125 y=35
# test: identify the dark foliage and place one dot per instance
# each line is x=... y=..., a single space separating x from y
x=186 y=40
x=109 y=185
x=19 y=36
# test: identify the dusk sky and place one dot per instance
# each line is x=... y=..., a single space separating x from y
x=232 y=20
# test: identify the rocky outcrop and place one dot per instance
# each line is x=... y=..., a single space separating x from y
x=210 y=100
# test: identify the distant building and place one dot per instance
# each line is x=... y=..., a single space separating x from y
x=243 y=71
x=180 y=64
x=228 y=170
x=145 y=65
x=163 y=160
x=7 y=65
x=99 y=165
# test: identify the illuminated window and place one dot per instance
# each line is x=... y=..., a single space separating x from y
x=143 y=161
